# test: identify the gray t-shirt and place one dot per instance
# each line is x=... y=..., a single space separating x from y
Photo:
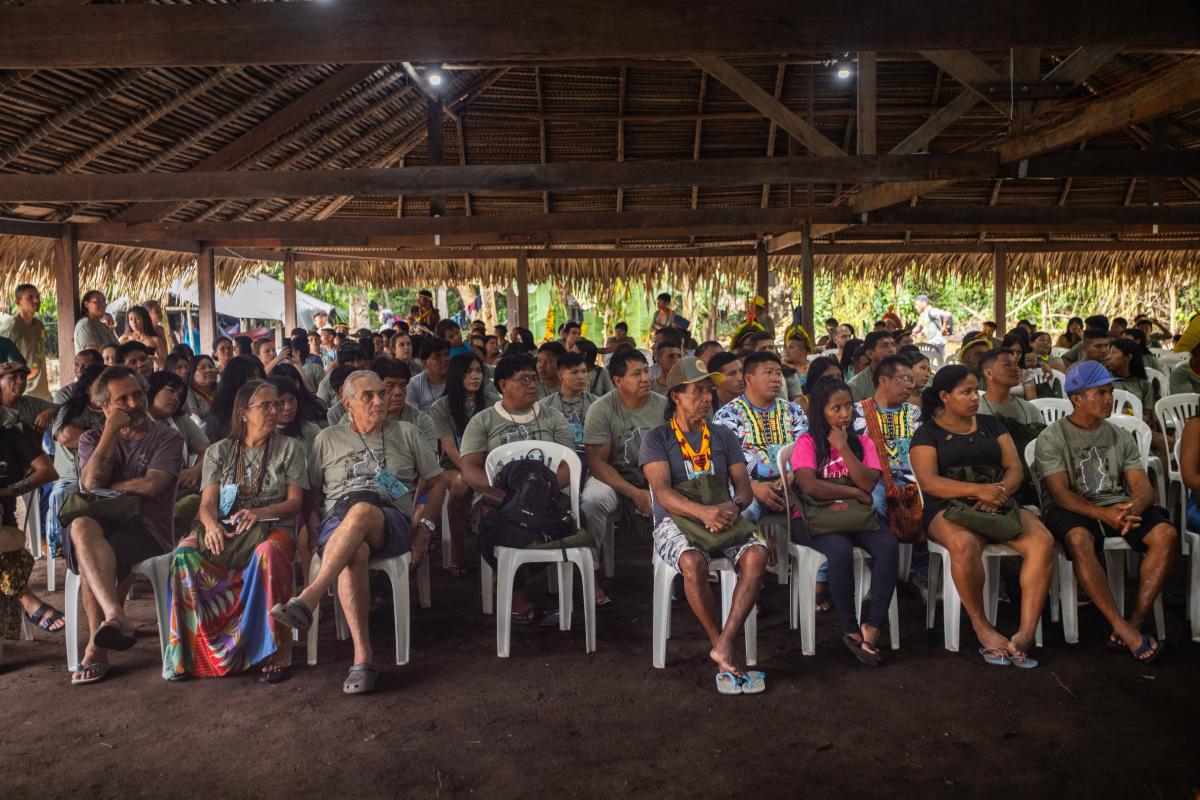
x=160 y=449
x=286 y=466
x=1095 y=461
x=1140 y=388
x=610 y=422
x=325 y=392
x=342 y=461
x=491 y=428
x=422 y=393
x=339 y=416
x=1017 y=408
x=1183 y=379
x=443 y=420
x=575 y=411
x=660 y=444
x=599 y=382
x=193 y=437
x=90 y=332
x=66 y=460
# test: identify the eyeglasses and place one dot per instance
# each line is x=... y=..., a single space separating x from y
x=267 y=405
x=526 y=379
x=907 y=380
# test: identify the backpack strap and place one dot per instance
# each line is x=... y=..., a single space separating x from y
x=875 y=434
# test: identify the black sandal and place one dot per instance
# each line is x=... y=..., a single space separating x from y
x=45 y=616
x=275 y=673
x=859 y=648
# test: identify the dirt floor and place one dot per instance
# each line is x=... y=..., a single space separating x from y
x=553 y=721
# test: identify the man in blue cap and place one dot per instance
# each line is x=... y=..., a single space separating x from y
x=1095 y=488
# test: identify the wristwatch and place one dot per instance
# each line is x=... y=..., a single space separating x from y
x=428 y=523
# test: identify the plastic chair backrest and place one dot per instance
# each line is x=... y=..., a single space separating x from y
x=932 y=352
x=783 y=461
x=1061 y=377
x=1052 y=409
x=1172 y=411
x=647 y=353
x=1058 y=352
x=1030 y=456
x=552 y=455
x=1141 y=434
x=1124 y=401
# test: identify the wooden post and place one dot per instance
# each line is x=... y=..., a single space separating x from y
x=1000 y=289
x=434 y=146
x=206 y=288
x=66 y=289
x=762 y=279
x=523 y=288
x=808 y=315
x=289 y=293
x=866 y=104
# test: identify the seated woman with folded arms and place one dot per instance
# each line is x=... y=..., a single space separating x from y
x=237 y=562
x=966 y=463
x=836 y=472
x=690 y=465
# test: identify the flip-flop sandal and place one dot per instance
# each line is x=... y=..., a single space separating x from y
x=458 y=572
x=995 y=657
x=549 y=619
x=361 y=679
x=275 y=674
x=753 y=682
x=824 y=603
x=45 y=616
x=293 y=613
x=527 y=617
x=1022 y=662
x=1115 y=644
x=109 y=636
x=605 y=602
x=728 y=683
x=1154 y=652
x=90 y=673
x=864 y=655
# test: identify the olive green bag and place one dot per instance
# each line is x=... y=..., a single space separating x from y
x=995 y=526
x=117 y=509
x=709 y=490
x=840 y=515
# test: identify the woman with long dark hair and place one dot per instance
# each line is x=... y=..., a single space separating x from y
x=140 y=328
x=464 y=398
x=310 y=408
x=1073 y=334
x=237 y=562
x=836 y=471
x=166 y=400
x=1126 y=365
x=823 y=367
x=238 y=371
x=179 y=364
x=968 y=469
x=851 y=351
x=202 y=385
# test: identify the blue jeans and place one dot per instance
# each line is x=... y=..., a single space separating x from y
x=59 y=491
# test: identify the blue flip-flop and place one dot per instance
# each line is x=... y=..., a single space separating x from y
x=1155 y=652
x=728 y=683
x=994 y=657
x=753 y=682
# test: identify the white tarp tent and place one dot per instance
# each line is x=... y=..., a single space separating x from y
x=258 y=297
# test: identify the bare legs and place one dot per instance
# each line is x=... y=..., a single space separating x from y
x=694 y=568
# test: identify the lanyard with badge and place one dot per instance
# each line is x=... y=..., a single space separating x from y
x=385 y=480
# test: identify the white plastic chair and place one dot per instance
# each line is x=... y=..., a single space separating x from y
x=939 y=562
x=932 y=352
x=156 y=569
x=509 y=559
x=1115 y=550
x=664 y=577
x=803 y=563
x=1126 y=403
x=34 y=529
x=1172 y=412
x=1061 y=377
x=1144 y=437
x=1058 y=352
x=1052 y=409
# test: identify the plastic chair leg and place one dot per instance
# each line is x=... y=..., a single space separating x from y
x=504 y=596
x=991 y=587
x=447 y=535
x=894 y=621
x=566 y=594
x=72 y=600
x=51 y=574
x=158 y=570
x=809 y=562
x=1055 y=599
x=664 y=576
x=487 y=586
x=26 y=628
x=862 y=584
x=904 y=566
x=728 y=584
x=1115 y=563
x=397 y=572
x=609 y=550
x=1068 y=595
x=951 y=608
x=935 y=571
x=587 y=572
x=782 y=562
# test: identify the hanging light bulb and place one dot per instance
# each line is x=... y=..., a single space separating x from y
x=434 y=78
x=844 y=70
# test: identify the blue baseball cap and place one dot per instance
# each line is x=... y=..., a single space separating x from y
x=1087 y=375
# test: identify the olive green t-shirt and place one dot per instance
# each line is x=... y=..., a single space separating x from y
x=610 y=422
x=342 y=461
x=339 y=416
x=1140 y=388
x=491 y=428
x=1183 y=379
x=1017 y=408
x=1095 y=461
x=575 y=411
x=285 y=467
x=30 y=339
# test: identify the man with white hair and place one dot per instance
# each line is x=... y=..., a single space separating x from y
x=369 y=471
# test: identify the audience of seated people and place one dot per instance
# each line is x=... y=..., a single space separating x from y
x=352 y=446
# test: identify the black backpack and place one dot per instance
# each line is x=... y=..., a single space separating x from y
x=534 y=509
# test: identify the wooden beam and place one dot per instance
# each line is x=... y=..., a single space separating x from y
x=66 y=290
x=1032 y=218
x=697 y=133
x=941 y=119
x=265 y=132
x=1026 y=70
x=771 y=108
x=1176 y=88
x=435 y=144
x=762 y=276
x=513 y=229
x=969 y=70
x=523 y=289
x=772 y=130
x=866 y=103
x=808 y=281
x=206 y=289
x=438 y=180
x=1000 y=289
x=289 y=292
x=541 y=105
x=145 y=35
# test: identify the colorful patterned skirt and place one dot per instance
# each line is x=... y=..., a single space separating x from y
x=220 y=620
